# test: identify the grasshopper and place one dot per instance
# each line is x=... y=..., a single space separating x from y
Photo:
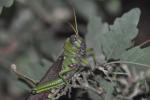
x=73 y=57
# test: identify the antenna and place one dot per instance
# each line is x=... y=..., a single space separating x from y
x=74 y=27
x=75 y=22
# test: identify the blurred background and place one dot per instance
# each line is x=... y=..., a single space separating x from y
x=32 y=33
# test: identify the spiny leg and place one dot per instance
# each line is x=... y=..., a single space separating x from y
x=46 y=87
x=30 y=82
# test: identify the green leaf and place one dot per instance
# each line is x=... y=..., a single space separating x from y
x=109 y=88
x=137 y=56
x=95 y=30
x=118 y=39
x=113 y=42
x=5 y=3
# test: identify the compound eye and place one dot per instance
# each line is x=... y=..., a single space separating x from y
x=73 y=39
x=74 y=65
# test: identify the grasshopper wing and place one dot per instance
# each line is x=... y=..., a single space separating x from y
x=50 y=75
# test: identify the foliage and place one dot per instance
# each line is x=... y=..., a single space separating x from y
x=35 y=36
x=137 y=55
x=115 y=42
x=5 y=3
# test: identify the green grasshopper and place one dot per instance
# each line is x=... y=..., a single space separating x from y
x=74 y=56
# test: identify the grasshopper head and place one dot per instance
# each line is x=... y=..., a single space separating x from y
x=73 y=43
x=76 y=41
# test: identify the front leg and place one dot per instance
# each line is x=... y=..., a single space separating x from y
x=90 y=52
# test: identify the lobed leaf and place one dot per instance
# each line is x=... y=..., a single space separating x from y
x=95 y=30
x=120 y=36
x=137 y=56
x=113 y=40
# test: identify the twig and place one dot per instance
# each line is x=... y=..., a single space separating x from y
x=126 y=62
